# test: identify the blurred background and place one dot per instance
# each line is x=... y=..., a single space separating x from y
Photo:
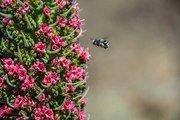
x=138 y=77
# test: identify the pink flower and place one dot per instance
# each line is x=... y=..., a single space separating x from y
x=42 y=97
x=26 y=5
x=12 y=70
x=75 y=73
x=8 y=21
x=47 y=11
x=2 y=112
x=76 y=9
x=82 y=115
x=9 y=65
x=65 y=62
x=70 y=87
x=1 y=82
x=40 y=47
x=10 y=1
x=22 y=11
x=5 y=3
x=26 y=102
x=61 y=3
x=54 y=76
x=83 y=101
x=75 y=22
x=68 y=105
x=33 y=104
x=58 y=1
x=21 y=118
x=40 y=66
x=45 y=29
x=29 y=83
x=5 y=20
x=18 y=101
x=61 y=41
x=55 y=39
x=49 y=114
x=38 y=113
x=55 y=47
x=43 y=111
x=49 y=97
x=61 y=22
x=30 y=80
x=7 y=62
x=47 y=80
x=21 y=71
x=55 y=61
x=58 y=40
x=8 y=110
x=84 y=54
x=5 y=110
x=75 y=47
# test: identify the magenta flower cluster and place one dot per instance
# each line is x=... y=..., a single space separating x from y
x=42 y=64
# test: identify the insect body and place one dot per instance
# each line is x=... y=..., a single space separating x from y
x=101 y=43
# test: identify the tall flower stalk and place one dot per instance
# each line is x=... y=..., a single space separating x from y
x=42 y=65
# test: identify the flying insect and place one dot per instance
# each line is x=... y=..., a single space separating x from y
x=100 y=42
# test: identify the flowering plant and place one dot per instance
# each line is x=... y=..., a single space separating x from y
x=42 y=65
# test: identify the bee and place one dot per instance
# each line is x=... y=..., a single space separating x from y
x=100 y=42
